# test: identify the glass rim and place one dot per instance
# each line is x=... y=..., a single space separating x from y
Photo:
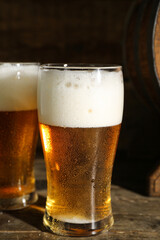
x=20 y=63
x=80 y=66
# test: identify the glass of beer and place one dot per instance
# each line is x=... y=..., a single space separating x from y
x=18 y=134
x=80 y=113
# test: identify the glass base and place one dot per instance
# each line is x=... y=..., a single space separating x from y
x=19 y=202
x=73 y=230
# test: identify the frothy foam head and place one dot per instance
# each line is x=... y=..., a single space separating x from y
x=18 y=86
x=72 y=219
x=87 y=98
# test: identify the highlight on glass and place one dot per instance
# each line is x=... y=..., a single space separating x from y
x=80 y=111
x=18 y=134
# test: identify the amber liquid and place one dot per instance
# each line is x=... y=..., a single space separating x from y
x=79 y=164
x=18 y=138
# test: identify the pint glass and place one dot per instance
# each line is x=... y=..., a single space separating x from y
x=80 y=113
x=18 y=134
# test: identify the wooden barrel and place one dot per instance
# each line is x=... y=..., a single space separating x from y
x=142 y=50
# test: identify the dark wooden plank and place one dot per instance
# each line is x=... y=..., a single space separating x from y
x=112 y=235
x=128 y=202
x=58 y=31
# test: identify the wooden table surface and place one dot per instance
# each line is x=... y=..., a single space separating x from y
x=136 y=216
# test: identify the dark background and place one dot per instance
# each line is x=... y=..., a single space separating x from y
x=88 y=31
x=62 y=31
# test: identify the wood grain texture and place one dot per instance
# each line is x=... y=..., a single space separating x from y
x=142 y=54
x=157 y=45
x=154 y=182
x=136 y=217
x=62 y=31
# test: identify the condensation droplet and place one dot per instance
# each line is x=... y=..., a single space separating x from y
x=68 y=84
x=76 y=85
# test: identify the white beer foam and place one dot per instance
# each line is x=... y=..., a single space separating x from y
x=18 y=87
x=71 y=98
x=72 y=219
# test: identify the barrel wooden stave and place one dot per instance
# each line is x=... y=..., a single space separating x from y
x=142 y=52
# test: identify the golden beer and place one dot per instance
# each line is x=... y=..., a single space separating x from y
x=18 y=140
x=18 y=134
x=75 y=173
x=79 y=133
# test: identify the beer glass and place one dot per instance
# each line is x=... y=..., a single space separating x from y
x=80 y=112
x=18 y=134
